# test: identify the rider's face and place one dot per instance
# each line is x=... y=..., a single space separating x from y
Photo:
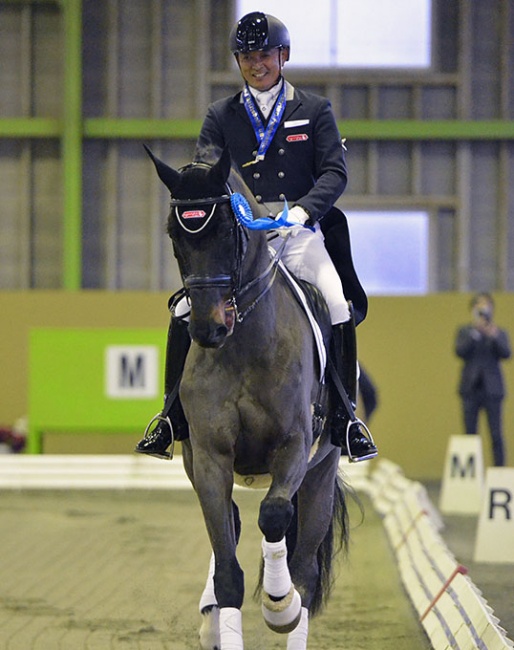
x=261 y=69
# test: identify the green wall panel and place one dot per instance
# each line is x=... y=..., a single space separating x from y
x=69 y=385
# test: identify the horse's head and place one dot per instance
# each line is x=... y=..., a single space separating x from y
x=208 y=244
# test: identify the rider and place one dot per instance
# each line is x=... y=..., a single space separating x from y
x=300 y=157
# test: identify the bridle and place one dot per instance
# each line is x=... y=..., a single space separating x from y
x=244 y=297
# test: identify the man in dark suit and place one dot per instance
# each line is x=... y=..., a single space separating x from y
x=286 y=145
x=482 y=345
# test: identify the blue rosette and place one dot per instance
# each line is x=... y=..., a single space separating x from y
x=244 y=215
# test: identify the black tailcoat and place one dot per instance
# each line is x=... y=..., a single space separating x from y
x=305 y=164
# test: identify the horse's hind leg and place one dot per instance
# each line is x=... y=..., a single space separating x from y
x=297 y=639
x=210 y=629
x=321 y=510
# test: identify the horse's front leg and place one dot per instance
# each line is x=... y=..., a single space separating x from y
x=281 y=602
x=208 y=606
x=213 y=481
x=209 y=635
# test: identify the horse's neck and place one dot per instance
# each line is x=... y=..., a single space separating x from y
x=267 y=287
x=257 y=258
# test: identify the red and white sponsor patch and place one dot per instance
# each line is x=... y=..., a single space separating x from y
x=297 y=137
x=193 y=214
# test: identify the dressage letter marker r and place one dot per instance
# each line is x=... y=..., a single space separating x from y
x=495 y=531
x=131 y=371
x=500 y=499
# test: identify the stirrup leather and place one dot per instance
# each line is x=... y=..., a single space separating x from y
x=148 y=434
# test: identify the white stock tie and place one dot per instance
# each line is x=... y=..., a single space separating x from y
x=265 y=101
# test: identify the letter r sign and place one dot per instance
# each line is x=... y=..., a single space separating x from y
x=495 y=532
x=131 y=371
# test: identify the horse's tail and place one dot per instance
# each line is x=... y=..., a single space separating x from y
x=336 y=540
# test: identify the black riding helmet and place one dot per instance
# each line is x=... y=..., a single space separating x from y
x=258 y=31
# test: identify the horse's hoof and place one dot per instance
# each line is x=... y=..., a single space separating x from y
x=282 y=616
x=210 y=629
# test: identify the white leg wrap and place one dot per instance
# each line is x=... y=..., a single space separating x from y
x=209 y=635
x=282 y=615
x=297 y=639
x=231 y=629
x=208 y=597
x=277 y=580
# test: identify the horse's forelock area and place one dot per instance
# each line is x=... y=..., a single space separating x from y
x=196 y=183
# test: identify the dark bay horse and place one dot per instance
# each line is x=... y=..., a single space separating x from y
x=250 y=381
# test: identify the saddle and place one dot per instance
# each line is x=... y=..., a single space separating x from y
x=310 y=298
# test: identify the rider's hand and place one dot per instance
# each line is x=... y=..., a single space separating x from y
x=296 y=215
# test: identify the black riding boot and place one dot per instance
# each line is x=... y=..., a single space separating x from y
x=353 y=442
x=171 y=423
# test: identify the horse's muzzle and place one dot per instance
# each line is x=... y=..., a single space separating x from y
x=212 y=309
x=212 y=332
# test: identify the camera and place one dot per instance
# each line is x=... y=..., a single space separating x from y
x=485 y=314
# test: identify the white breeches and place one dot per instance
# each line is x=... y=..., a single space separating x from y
x=305 y=255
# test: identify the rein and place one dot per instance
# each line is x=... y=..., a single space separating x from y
x=271 y=270
x=233 y=281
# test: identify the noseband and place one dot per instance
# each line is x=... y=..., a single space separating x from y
x=186 y=209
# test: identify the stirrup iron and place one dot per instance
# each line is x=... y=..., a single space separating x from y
x=161 y=418
x=351 y=457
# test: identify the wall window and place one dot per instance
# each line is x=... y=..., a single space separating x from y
x=353 y=33
x=390 y=251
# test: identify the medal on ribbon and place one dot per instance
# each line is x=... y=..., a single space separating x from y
x=263 y=134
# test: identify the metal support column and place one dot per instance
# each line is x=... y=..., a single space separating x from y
x=71 y=143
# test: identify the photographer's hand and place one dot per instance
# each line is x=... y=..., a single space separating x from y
x=487 y=327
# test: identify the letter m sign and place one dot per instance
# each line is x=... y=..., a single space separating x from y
x=462 y=469
x=131 y=371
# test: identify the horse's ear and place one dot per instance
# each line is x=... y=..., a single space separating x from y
x=221 y=170
x=170 y=177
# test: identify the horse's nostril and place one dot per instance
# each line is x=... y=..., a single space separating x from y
x=209 y=336
x=221 y=331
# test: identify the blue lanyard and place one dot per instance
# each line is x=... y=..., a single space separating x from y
x=263 y=134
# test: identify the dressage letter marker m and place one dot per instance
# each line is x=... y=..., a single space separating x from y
x=462 y=486
x=495 y=533
x=131 y=371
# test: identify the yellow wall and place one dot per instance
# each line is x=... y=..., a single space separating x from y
x=406 y=344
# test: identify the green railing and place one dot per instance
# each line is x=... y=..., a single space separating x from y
x=111 y=128
x=72 y=129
